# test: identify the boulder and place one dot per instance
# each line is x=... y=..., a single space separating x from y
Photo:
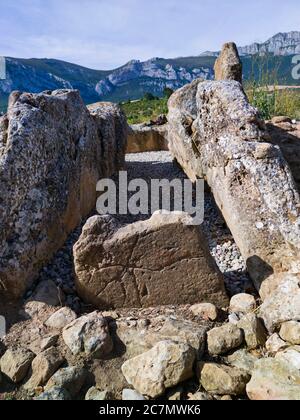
x=228 y=65
x=144 y=138
x=166 y=365
x=274 y=379
x=206 y=311
x=290 y=356
x=214 y=133
x=52 y=154
x=275 y=344
x=242 y=303
x=223 y=380
x=94 y=394
x=61 y=318
x=283 y=304
x=161 y=261
x=44 y=366
x=290 y=332
x=254 y=331
x=15 y=363
x=131 y=395
x=54 y=394
x=89 y=335
x=139 y=337
x=221 y=340
x=242 y=359
x=71 y=379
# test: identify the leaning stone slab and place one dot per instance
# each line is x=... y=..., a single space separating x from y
x=161 y=261
x=52 y=153
x=214 y=133
x=228 y=65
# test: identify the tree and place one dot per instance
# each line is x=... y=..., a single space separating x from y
x=168 y=92
x=149 y=96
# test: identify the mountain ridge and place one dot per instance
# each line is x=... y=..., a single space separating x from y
x=135 y=78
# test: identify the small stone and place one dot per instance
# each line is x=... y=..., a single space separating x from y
x=71 y=379
x=242 y=303
x=273 y=380
x=48 y=342
x=89 y=334
x=275 y=344
x=54 y=394
x=200 y=396
x=43 y=367
x=131 y=395
x=223 y=339
x=166 y=365
x=281 y=119
x=61 y=318
x=241 y=359
x=254 y=331
x=226 y=398
x=223 y=380
x=206 y=311
x=290 y=332
x=94 y=394
x=15 y=363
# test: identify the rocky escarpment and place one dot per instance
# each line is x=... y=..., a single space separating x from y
x=52 y=153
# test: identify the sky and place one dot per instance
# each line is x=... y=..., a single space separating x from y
x=105 y=34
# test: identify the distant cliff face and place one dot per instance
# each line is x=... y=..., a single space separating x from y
x=280 y=44
x=135 y=78
x=154 y=74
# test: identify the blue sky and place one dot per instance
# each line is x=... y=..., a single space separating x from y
x=104 y=34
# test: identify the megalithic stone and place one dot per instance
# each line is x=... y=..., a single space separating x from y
x=228 y=65
x=214 y=133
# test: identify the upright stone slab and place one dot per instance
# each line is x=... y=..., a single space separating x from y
x=52 y=153
x=214 y=133
x=228 y=65
x=161 y=261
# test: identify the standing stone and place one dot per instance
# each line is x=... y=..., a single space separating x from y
x=162 y=261
x=228 y=66
x=164 y=366
x=143 y=138
x=52 y=154
x=214 y=133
